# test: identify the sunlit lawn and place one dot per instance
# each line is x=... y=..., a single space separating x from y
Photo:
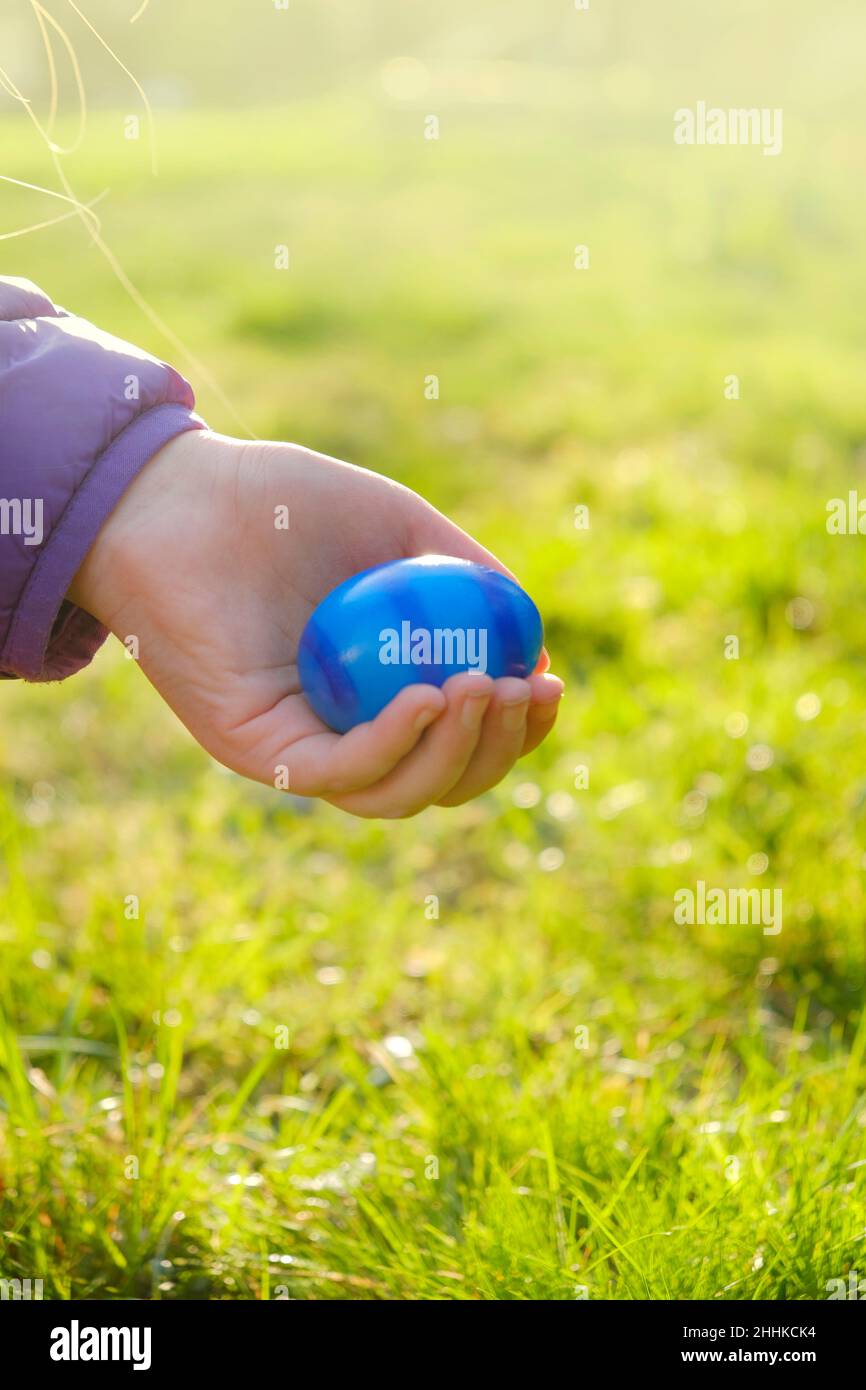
x=471 y=1055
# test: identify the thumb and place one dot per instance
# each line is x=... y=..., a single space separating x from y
x=431 y=533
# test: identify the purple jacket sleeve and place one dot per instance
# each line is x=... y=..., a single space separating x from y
x=81 y=413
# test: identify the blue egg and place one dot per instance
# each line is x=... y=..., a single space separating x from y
x=411 y=621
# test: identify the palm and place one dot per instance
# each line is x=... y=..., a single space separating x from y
x=228 y=590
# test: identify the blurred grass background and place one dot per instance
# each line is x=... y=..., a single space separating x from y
x=432 y=1130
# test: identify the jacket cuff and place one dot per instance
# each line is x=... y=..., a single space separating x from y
x=49 y=637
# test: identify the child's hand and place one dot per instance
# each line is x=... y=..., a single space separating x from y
x=193 y=565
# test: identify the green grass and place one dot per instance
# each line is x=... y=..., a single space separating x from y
x=158 y=1140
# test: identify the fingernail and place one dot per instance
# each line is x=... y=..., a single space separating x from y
x=554 y=689
x=424 y=719
x=514 y=715
x=473 y=710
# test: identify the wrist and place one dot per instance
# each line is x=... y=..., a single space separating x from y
x=147 y=520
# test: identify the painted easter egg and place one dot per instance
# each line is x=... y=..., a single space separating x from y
x=410 y=621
